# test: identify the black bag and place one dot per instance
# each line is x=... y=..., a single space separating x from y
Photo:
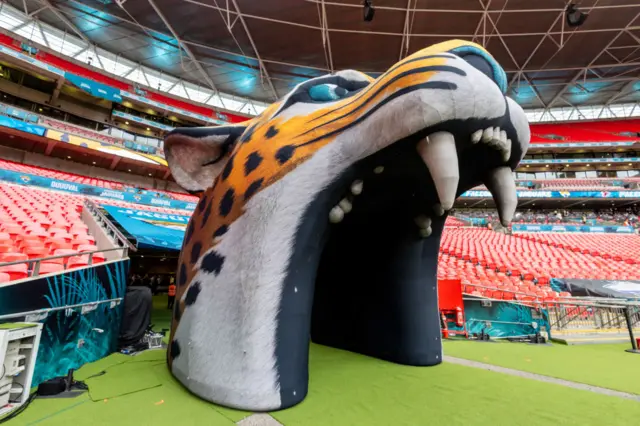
x=136 y=315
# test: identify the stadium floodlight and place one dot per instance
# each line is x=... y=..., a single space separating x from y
x=574 y=16
x=369 y=11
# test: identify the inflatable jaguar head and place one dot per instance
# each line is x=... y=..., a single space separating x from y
x=321 y=219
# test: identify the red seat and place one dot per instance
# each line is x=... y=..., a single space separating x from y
x=4 y=277
x=50 y=268
x=15 y=272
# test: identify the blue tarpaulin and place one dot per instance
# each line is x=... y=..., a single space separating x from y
x=151 y=229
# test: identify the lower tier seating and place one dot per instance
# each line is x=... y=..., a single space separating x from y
x=37 y=223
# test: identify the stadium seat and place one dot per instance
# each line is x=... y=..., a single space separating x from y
x=15 y=272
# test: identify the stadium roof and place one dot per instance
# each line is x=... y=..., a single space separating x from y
x=251 y=52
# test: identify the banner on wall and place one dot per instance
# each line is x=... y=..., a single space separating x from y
x=94 y=88
x=599 y=288
x=65 y=327
x=23 y=126
x=141 y=120
x=516 y=227
x=579 y=144
x=151 y=229
x=222 y=118
x=104 y=147
x=581 y=160
x=31 y=60
x=150 y=198
x=560 y=194
x=18 y=113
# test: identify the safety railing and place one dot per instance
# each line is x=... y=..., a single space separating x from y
x=33 y=265
x=111 y=230
x=594 y=315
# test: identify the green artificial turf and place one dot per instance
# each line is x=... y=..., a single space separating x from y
x=607 y=366
x=350 y=389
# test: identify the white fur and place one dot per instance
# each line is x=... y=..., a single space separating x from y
x=228 y=337
x=232 y=362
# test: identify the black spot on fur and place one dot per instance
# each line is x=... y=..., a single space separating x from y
x=212 y=262
x=182 y=278
x=226 y=204
x=221 y=231
x=195 y=252
x=271 y=132
x=189 y=233
x=247 y=135
x=205 y=216
x=176 y=312
x=253 y=188
x=285 y=153
x=253 y=161
x=174 y=350
x=227 y=168
x=202 y=203
x=192 y=293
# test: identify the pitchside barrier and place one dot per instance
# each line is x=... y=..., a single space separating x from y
x=527 y=314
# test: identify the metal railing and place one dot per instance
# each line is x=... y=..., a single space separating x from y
x=111 y=230
x=594 y=315
x=33 y=265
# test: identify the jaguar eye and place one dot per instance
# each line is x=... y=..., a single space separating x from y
x=481 y=64
x=327 y=92
x=484 y=64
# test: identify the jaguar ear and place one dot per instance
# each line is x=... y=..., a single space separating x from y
x=196 y=155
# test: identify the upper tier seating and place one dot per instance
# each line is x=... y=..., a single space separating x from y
x=37 y=223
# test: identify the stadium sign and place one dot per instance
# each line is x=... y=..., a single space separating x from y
x=150 y=199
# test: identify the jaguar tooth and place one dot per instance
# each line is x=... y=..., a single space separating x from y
x=438 y=210
x=336 y=215
x=503 y=188
x=487 y=134
x=378 y=170
x=356 y=187
x=506 y=151
x=423 y=221
x=345 y=205
x=425 y=232
x=503 y=136
x=438 y=151
x=476 y=136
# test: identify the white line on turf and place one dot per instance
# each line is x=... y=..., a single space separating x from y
x=541 y=378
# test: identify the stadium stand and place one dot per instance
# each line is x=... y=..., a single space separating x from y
x=35 y=224
x=485 y=260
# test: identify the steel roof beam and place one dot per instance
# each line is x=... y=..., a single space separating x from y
x=580 y=73
x=255 y=49
x=66 y=20
x=186 y=49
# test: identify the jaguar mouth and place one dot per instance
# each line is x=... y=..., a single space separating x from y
x=371 y=239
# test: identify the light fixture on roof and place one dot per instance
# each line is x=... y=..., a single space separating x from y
x=547 y=165
x=148 y=128
x=129 y=169
x=608 y=164
x=631 y=164
x=369 y=11
x=574 y=16
x=126 y=122
x=69 y=157
x=94 y=162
